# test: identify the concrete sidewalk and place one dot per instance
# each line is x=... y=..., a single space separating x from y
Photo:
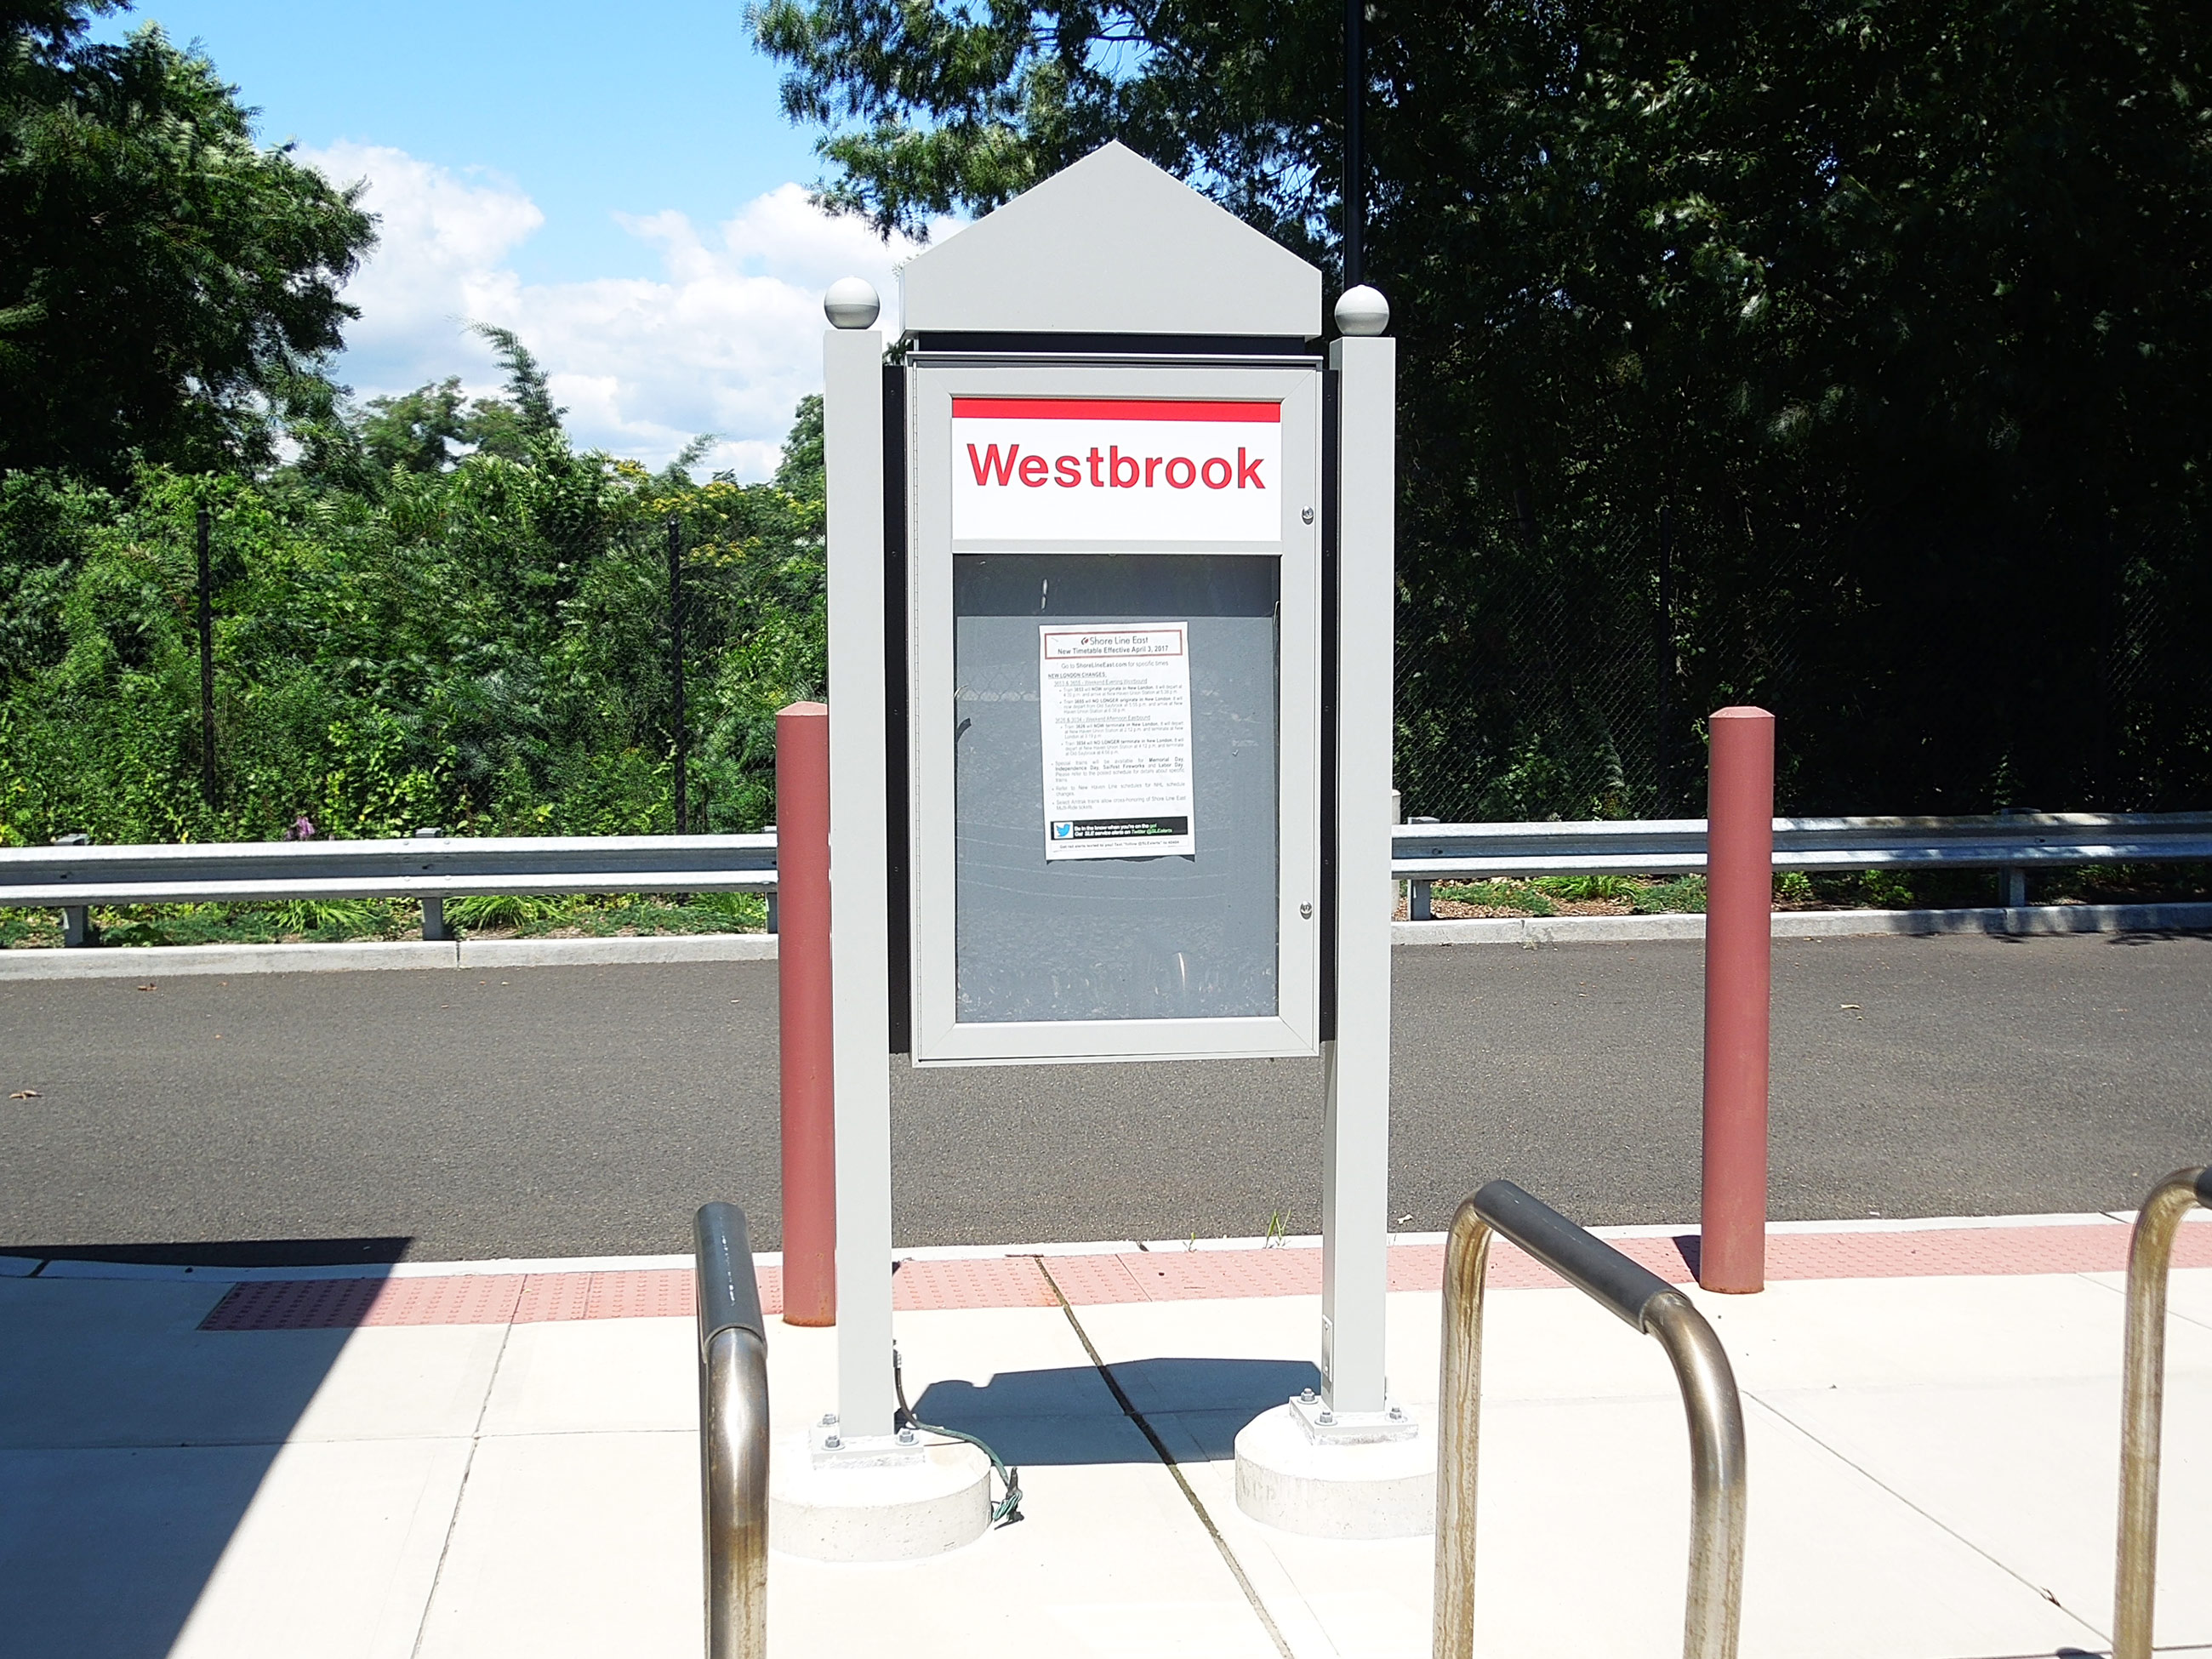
x=492 y=1462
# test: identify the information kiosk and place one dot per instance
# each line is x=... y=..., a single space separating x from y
x=1110 y=633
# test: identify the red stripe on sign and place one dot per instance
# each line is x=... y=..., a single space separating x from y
x=1112 y=409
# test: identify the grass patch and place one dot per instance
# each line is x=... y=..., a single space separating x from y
x=29 y=927
x=1542 y=894
x=512 y=912
x=1505 y=894
x=1682 y=895
x=654 y=913
x=1587 y=887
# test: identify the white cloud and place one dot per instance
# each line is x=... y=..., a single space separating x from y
x=727 y=341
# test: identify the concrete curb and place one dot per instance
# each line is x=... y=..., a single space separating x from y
x=142 y=961
x=2042 y=919
x=149 y=961
x=587 y=952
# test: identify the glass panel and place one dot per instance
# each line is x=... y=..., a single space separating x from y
x=1176 y=937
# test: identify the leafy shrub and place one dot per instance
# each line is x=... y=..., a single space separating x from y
x=1888 y=890
x=484 y=647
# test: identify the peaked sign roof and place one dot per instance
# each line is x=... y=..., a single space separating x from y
x=1112 y=244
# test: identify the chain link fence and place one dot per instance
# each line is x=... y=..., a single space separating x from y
x=1952 y=672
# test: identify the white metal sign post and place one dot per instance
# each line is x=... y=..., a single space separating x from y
x=1088 y=571
x=1356 y=1154
x=859 y=932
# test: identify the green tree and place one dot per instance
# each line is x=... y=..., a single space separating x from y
x=163 y=279
x=1882 y=318
x=529 y=412
x=428 y=429
x=416 y=431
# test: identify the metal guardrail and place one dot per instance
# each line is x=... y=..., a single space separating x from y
x=1713 y=1607
x=1677 y=846
x=1424 y=853
x=428 y=866
x=436 y=866
x=2150 y=1253
x=433 y=867
x=733 y=1436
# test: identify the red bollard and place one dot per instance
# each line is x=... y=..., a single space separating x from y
x=810 y=1141
x=1738 y=965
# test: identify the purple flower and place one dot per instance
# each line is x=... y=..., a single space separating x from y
x=303 y=829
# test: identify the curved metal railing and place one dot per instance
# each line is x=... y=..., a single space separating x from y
x=1713 y=1609
x=2150 y=1253
x=732 y=1434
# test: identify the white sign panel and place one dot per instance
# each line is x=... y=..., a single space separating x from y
x=1116 y=468
x=1116 y=707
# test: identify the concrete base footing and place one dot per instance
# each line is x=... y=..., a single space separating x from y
x=1386 y=1490
x=901 y=1513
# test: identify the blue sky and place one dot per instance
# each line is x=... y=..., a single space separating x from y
x=618 y=184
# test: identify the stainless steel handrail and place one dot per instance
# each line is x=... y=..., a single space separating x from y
x=733 y=1435
x=2150 y=1253
x=1713 y=1607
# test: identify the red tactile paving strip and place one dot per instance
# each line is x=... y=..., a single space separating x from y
x=322 y=1304
x=1007 y=1281
x=1090 y=1281
x=1149 y=1276
x=651 y=1293
x=1190 y=1275
x=549 y=1296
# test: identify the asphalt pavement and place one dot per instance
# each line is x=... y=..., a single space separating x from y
x=583 y=1111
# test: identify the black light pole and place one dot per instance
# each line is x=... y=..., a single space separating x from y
x=207 y=665
x=675 y=652
x=1355 y=142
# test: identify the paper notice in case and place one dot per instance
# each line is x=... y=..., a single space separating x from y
x=1115 y=706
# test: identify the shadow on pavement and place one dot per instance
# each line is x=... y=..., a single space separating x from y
x=367 y=1253
x=1068 y=1415
x=133 y=1442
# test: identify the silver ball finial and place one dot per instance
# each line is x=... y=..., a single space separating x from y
x=851 y=303
x=1362 y=310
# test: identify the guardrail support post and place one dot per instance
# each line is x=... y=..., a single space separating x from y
x=803 y=990
x=436 y=928
x=2150 y=1253
x=1739 y=968
x=76 y=918
x=1420 y=896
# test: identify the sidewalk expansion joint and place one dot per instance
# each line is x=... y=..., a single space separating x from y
x=1168 y=1460
x=461 y=1492
x=2172 y=1313
x=2042 y=1591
